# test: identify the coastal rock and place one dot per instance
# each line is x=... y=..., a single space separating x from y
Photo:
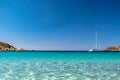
x=6 y=47
x=117 y=48
x=21 y=49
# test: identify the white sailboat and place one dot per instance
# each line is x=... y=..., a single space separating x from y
x=96 y=44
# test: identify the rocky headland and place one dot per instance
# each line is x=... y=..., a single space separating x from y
x=113 y=48
x=6 y=47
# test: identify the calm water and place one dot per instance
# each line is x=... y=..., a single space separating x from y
x=59 y=65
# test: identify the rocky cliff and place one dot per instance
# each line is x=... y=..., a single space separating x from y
x=6 y=47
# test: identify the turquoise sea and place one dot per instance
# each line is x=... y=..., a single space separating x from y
x=59 y=65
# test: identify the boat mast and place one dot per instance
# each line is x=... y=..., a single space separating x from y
x=96 y=46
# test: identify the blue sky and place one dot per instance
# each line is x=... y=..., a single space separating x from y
x=60 y=24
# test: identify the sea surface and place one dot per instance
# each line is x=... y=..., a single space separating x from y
x=59 y=65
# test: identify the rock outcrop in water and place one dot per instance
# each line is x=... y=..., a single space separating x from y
x=117 y=48
x=6 y=47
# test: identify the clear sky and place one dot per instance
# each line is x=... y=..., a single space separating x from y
x=60 y=24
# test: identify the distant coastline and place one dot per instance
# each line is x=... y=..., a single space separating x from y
x=113 y=48
x=7 y=47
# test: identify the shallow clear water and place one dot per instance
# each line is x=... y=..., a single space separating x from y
x=59 y=66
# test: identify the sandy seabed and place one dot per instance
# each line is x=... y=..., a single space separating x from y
x=58 y=70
